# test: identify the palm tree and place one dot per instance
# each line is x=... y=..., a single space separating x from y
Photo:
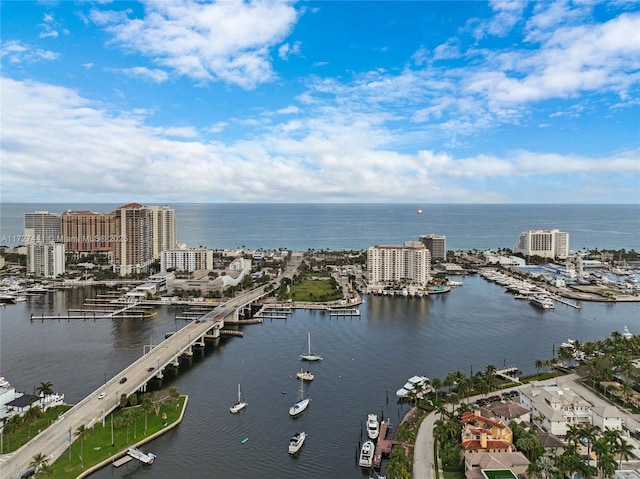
x=81 y=432
x=436 y=384
x=588 y=432
x=38 y=461
x=45 y=471
x=624 y=451
x=147 y=407
x=45 y=389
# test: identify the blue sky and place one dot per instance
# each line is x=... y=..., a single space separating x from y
x=339 y=102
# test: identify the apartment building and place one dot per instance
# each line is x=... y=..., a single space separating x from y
x=406 y=264
x=41 y=227
x=164 y=229
x=88 y=232
x=132 y=239
x=186 y=259
x=545 y=243
x=45 y=259
x=436 y=244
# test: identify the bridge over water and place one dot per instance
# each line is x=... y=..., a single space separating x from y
x=53 y=441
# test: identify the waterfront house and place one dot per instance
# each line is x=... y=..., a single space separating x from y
x=479 y=465
x=481 y=434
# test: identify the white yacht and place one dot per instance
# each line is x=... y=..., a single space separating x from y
x=542 y=301
x=373 y=426
x=296 y=442
x=418 y=383
x=366 y=454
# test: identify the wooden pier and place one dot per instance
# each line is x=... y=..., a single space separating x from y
x=384 y=445
x=343 y=312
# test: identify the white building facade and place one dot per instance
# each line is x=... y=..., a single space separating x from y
x=407 y=264
x=544 y=243
x=186 y=259
x=164 y=229
x=46 y=260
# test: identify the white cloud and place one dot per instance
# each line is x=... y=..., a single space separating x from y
x=225 y=41
x=155 y=75
x=286 y=50
x=17 y=52
x=54 y=142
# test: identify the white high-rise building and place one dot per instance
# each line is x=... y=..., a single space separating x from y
x=186 y=259
x=42 y=227
x=164 y=229
x=45 y=259
x=545 y=243
x=407 y=264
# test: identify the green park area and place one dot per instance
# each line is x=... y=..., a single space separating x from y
x=108 y=439
x=316 y=288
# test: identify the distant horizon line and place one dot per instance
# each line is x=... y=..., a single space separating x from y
x=303 y=203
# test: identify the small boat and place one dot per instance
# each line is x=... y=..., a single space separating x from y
x=310 y=355
x=305 y=375
x=240 y=405
x=373 y=426
x=296 y=442
x=301 y=404
x=366 y=454
x=419 y=212
x=626 y=334
x=244 y=440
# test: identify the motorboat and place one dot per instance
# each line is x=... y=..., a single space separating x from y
x=366 y=454
x=296 y=442
x=309 y=355
x=301 y=404
x=240 y=405
x=542 y=301
x=626 y=334
x=373 y=426
x=414 y=383
x=305 y=375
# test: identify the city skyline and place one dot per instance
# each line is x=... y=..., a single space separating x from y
x=336 y=102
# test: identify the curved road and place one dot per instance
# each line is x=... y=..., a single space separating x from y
x=423 y=464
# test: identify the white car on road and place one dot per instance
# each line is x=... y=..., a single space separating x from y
x=102 y=395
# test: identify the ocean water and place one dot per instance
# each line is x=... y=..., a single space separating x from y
x=357 y=226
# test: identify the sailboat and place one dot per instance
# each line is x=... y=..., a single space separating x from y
x=240 y=405
x=302 y=402
x=310 y=355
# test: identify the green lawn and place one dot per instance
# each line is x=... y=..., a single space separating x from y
x=318 y=290
x=97 y=447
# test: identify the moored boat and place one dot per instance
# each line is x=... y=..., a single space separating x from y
x=366 y=454
x=301 y=404
x=373 y=426
x=415 y=385
x=309 y=355
x=239 y=405
x=296 y=442
x=542 y=301
x=305 y=375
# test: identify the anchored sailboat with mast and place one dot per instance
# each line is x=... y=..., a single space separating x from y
x=309 y=355
x=302 y=402
x=240 y=405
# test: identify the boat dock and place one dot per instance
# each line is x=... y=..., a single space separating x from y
x=560 y=299
x=344 y=312
x=384 y=445
x=510 y=374
x=135 y=453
